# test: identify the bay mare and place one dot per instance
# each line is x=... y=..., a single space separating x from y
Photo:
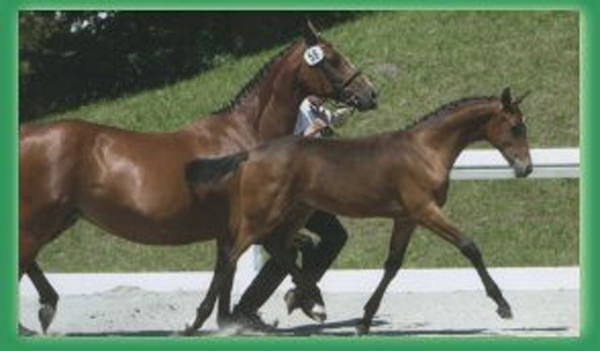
x=403 y=175
x=132 y=183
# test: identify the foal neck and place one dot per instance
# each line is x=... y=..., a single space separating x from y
x=454 y=126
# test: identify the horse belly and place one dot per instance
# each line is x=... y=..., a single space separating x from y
x=185 y=226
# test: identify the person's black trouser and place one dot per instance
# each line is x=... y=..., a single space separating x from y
x=315 y=261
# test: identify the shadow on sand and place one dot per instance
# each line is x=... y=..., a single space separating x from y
x=334 y=328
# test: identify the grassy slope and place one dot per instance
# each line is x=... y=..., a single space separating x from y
x=418 y=60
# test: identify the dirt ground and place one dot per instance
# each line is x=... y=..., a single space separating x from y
x=132 y=311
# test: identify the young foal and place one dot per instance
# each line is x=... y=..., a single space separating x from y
x=403 y=175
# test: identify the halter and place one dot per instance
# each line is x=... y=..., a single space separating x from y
x=338 y=83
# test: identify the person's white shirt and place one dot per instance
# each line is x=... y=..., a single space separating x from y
x=313 y=117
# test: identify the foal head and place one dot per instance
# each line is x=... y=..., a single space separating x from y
x=327 y=73
x=507 y=132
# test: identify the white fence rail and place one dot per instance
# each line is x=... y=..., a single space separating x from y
x=489 y=164
x=474 y=164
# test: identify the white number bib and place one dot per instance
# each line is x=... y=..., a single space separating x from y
x=313 y=55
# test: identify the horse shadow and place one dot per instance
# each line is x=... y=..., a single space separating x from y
x=342 y=328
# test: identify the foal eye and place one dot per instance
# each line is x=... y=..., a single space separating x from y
x=519 y=130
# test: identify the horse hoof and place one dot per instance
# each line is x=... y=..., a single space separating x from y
x=189 y=330
x=362 y=328
x=318 y=313
x=23 y=331
x=504 y=312
x=46 y=315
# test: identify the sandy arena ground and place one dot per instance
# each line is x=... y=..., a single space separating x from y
x=131 y=311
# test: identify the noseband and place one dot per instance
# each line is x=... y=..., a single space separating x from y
x=338 y=83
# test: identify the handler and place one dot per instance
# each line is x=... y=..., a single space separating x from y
x=314 y=120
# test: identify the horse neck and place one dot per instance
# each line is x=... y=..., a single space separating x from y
x=450 y=134
x=268 y=108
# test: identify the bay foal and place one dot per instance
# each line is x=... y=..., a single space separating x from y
x=403 y=175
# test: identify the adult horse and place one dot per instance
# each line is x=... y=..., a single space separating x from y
x=403 y=175
x=132 y=183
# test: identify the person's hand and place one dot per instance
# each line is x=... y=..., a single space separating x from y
x=316 y=126
x=340 y=116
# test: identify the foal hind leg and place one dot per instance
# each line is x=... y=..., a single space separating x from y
x=284 y=255
x=434 y=219
x=402 y=232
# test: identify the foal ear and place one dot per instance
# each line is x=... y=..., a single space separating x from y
x=520 y=98
x=310 y=34
x=505 y=98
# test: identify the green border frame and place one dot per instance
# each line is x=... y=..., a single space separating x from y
x=589 y=83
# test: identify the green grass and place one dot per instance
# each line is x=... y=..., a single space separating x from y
x=418 y=61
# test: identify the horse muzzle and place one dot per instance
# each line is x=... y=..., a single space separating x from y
x=522 y=169
x=364 y=101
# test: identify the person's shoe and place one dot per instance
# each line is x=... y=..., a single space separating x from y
x=251 y=321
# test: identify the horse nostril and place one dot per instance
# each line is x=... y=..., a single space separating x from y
x=373 y=95
x=529 y=168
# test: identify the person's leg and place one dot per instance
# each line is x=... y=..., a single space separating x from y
x=315 y=261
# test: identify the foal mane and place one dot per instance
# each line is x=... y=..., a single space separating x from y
x=255 y=80
x=448 y=108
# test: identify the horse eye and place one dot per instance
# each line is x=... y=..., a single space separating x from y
x=519 y=130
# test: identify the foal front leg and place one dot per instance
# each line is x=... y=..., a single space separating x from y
x=285 y=256
x=401 y=234
x=434 y=219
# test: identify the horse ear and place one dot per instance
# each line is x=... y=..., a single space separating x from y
x=505 y=98
x=520 y=98
x=310 y=34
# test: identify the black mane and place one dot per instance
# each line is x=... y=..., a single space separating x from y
x=447 y=108
x=255 y=80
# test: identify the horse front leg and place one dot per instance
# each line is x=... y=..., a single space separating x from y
x=223 y=271
x=434 y=219
x=224 y=318
x=401 y=234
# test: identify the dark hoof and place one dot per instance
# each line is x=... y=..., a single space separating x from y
x=317 y=313
x=23 y=331
x=293 y=300
x=189 y=330
x=504 y=312
x=362 y=328
x=46 y=315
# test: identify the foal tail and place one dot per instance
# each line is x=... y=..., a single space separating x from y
x=210 y=170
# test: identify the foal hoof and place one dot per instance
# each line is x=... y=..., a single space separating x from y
x=189 y=330
x=46 y=315
x=318 y=313
x=24 y=331
x=294 y=300
x=504 y=312
x=362 y=328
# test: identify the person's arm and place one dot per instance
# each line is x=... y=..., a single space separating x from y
x=340 y=116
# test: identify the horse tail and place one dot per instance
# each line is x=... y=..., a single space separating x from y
x=211 y=170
